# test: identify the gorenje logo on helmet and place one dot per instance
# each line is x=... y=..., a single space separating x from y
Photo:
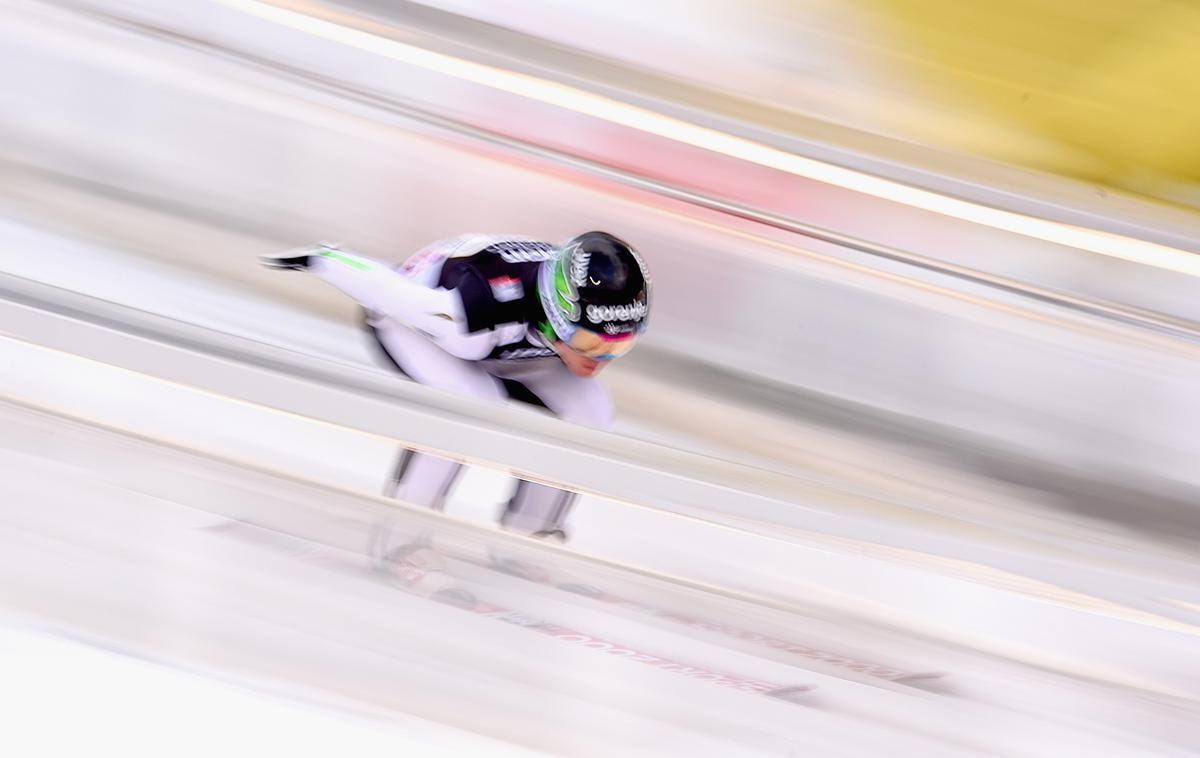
x=635 y=311
x=579 y=265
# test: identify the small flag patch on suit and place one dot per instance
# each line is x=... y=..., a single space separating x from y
x=506 y=288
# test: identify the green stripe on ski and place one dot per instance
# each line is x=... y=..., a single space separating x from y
x=351 y=262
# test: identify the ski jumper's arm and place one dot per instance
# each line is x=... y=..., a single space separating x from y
x=435 y=312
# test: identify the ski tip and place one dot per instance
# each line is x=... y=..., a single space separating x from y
x=923 y=676
x=794 y=694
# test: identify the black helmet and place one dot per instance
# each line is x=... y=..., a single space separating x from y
x=596 y=283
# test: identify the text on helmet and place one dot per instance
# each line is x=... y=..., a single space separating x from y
x=635 y=311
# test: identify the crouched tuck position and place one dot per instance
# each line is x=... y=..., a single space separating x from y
x=497 y=317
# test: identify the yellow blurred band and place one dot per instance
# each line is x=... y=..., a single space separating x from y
x=613 y=111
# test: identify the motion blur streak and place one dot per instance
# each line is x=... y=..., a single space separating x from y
x=1104 y=243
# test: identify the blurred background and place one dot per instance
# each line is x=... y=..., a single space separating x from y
x=906 y=464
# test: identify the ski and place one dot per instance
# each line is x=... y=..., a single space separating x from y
x=421 y=570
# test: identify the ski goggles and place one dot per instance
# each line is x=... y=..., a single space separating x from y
x=601 y=347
